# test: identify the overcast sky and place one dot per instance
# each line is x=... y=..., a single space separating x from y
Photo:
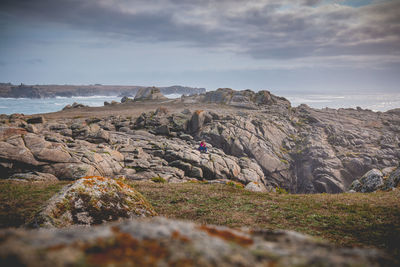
x=279 y=45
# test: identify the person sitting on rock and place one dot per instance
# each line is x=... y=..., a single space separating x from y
x=203 y=147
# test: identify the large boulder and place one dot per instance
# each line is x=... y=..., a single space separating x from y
x=92 y=200
x=126 y=99
x=393 y=180
x=369 y=182
x=163 y=242
x=36 y=119
x=149 y=93
x=196 y=122
x=255 y=187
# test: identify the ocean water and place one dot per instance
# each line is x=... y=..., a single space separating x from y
x=375 y=102
x=33 y=106
x=381 y=102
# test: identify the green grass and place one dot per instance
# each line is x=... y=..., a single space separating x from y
x=364 y=220
x=19 y=201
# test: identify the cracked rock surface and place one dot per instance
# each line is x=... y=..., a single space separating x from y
x=252 y=138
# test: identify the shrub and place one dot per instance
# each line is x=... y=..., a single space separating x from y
x=280 y=190
x=158 y=179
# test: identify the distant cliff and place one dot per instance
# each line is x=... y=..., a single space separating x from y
x=48 y=91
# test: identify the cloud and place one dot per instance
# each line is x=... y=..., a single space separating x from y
x=262 y=29
x=34 y=61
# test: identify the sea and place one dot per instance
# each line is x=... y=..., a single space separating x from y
x=375 y=102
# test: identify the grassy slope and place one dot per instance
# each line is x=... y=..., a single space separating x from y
x=367 y=220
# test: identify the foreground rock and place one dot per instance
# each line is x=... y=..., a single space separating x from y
x=91 y=201
x=163 y=242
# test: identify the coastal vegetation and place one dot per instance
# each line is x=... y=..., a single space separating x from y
x=347 y=219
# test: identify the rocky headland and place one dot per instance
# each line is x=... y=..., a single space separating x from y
x=49 y=91
x=256 y=140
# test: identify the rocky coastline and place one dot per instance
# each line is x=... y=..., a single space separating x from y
x=256 y=140
x=8 y=90
x=253 y=138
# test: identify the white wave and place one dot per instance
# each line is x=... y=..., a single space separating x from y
x=14 y=98
x=173 y=96
x=306 y=100
x=94 y=97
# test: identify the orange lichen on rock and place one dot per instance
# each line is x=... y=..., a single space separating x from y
x=93 y=200
x=177 y=236
x=199 y=111
x=122 y=185
x=123 y=249
x=227 y=235
x=100 y=178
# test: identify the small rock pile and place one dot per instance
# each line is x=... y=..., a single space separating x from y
x=374 y=180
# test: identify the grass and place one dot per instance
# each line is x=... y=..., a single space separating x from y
x=158 y=179
x=19 y=201
x=364 y=220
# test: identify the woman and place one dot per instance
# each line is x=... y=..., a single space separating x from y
x=203 y=147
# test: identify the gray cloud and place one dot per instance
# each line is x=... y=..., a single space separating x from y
x=34 y=61
x=262 y=29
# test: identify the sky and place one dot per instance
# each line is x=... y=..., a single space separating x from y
x=299 y=46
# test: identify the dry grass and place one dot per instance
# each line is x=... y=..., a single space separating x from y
x=19 y=201
x=365 y=220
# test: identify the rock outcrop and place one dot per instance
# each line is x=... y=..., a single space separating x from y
x=149 y=93
x=375 y=180
x=369 y=182
x=242 y=99
x=301 y=150
x=75 y=105
x=163 y=242
x=90 y=201
x=393 y=181
x=56 y=154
